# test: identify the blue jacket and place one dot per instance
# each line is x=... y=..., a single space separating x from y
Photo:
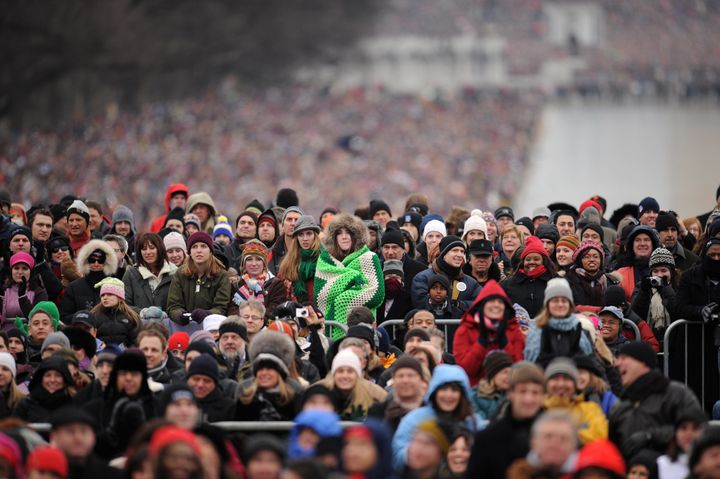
x=420 y=296
x=443 y=374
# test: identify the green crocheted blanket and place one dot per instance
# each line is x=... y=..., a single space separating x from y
x=341 y=286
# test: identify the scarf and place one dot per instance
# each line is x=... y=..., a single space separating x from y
x=658 y=316
x=534 y=274
x=451 y=272
x=594 y=286
x=647 y=384
x=306 y=272
x=48 y=400
x=252 y=288
x=393 y=286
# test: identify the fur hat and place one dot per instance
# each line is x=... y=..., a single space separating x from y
x=353 y=224
x=272 y=343
x=111 y=261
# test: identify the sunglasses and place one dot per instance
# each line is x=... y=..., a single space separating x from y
x=60 y=248
x=96 y=260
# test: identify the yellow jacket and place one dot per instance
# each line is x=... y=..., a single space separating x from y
x=592 y=423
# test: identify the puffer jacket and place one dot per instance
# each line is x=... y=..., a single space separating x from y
x=527 y=292
x=468 y=349
x=468 y=289
x=139 y=294
x=443 y=374
x=114 y=327
x=592 y=422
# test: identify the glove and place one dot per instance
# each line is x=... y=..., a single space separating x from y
x=709 y=311
x=39 y=253
x=22 y=288
x=181 y=319
x=645 y=284
x=127 y=417
x=198 y=315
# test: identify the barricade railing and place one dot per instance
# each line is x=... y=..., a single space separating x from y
x=634 y=327
x=668 y=358
x=229 y=426
x=442 y=324
x=329 y=325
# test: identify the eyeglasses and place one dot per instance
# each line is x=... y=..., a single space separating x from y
x=60 y=248
x=254 y=318
x=96 y=261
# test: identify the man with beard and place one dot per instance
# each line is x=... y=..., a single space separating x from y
x=232 y=342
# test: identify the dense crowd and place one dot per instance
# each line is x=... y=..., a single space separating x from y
x=134 y=344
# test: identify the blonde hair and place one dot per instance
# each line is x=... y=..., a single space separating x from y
x=287 y=393
x=289 y=266
x=512 y=228
x=121 y=307
x=13 y=395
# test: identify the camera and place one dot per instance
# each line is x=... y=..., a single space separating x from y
x=301 y=313
x=656 y=282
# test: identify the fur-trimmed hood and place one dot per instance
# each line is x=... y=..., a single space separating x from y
x=353 y=224
x=273 y=342
x=111 y=262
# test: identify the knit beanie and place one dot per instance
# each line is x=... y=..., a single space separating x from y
x=436 y=226
x=286 y=198
x=174 y=240
x=255 y=207
x=448 y=243
x=569 y=241
x=586 y=246
x=79 y=208
x=305 y=222
x=417 y=333
x=168 y=435
x=596 y=228
x=172 y=393
x=205 y=365
x=203 y=347
x=176 y=213
x=393 y=266
x=49 y=308
x=254 y=248
x=648 y=204
x=379 y=205
x=641 y=352
x=212 y=322
x=123 y=213
x=527 y=223
x=317 y=389
x=548 y=231
x=113 y=286
x=561 y=365
x=495 y=362
x=179 y=341
x=533 y=245
x=200 y=237
x=346 y=357
x=55 y=338
x=250 y=214
x=47 y=459
x=222 y=229
x=589 y=363
x=665 y=221
x=107 y=355
x=71 y=415
x=411 y=217
x=408 y=362
x=229 y=326
x=432 y=428
x=475 y=222
x=662 y=257
x=505 y=211
x=7 y=360
x=193 y=219
x=558 y=287
x=201 y=335
x=439 y=278
x=393 y=236
x=292 y=209
x=615 y=296
x=590 y=203
x=22 y=257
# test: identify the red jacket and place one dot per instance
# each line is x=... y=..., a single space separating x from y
x=468 y=351
x=159 y=222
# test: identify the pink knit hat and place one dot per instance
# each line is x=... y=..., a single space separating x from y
x=22 y=257
x=112 y=286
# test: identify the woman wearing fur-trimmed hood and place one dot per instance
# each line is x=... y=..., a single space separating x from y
x=95 y=261
x=348 y=274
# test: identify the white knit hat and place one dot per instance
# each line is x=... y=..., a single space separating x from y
x=175 y=240
x=558 y=287
x=436 y=226
x=346 y=357
x=212 y=322
x=475 y=222
x=7 y=360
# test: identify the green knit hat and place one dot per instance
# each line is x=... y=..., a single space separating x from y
x=47 y=307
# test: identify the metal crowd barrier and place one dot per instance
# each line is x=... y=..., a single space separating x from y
x=229 y=426
x=329 y=325
x=677 y=325
x=633 y=326
x=393 y=323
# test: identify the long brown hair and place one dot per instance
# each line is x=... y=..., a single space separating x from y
x=155 y=240
x=190 y=269
x=335 y=250
x=291 y=261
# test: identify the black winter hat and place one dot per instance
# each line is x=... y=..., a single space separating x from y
x=439 y=278
x=363 y=332
x=129 y=360
x=504 y=211
x=548 y=231
x=172 y=393
x=641 y=352
x=648 y=204
x=615 y=296
x=205 y=365
x=449 y=242
x=287 y=197
x=202 y=347
x=85 y=317
x=665 y=221
x=596 y=228
x=589 y=363
x=81 y=339
x=411 y=217
x=261 y=443
x=175 y=214
x=379 y=205
x=317 y=389
x=407 y=362
x=416 y=333
x=233 y=327
x=53 y=363
x=392 y=236
x=70 y=415
x=495 y=362
x=480 y=247
x=526 y=222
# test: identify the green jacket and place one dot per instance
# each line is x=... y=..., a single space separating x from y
x=186 y=294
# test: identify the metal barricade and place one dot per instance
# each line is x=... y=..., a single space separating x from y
x=633 y=326
x=442 y=324
x=329 y=325
x=229 y=426
x=667 y=357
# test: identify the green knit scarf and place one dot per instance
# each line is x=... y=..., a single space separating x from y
x=306 y=272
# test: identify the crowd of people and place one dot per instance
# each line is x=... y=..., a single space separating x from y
x=133 y=343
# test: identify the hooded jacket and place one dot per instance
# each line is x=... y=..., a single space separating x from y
x=39 y=405
x=81 y=293
x=467 y=348
x=203 y=198
x=159 y=222
x=442 y=375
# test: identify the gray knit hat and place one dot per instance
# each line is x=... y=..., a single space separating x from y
x=662 y=257
x=305 y=222
x=123 y=213
x=292 y=209
x=393 y=266
x=558 y=287
x=55 y=338
x=561 y=365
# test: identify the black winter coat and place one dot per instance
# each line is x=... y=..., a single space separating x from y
x=39 y=405
x=411 y=267
x=527 y=292
x=94 y=468
x=115 y=327
x=80 y=294
x=265 y=405
x=216 y=406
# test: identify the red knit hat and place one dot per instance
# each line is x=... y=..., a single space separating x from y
x=170 y=435
x=200 y=237
x=588 y=203
x=533 y=245
x=48 y=459
x=587 y=245
x=281 y=326
x=179 y=340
